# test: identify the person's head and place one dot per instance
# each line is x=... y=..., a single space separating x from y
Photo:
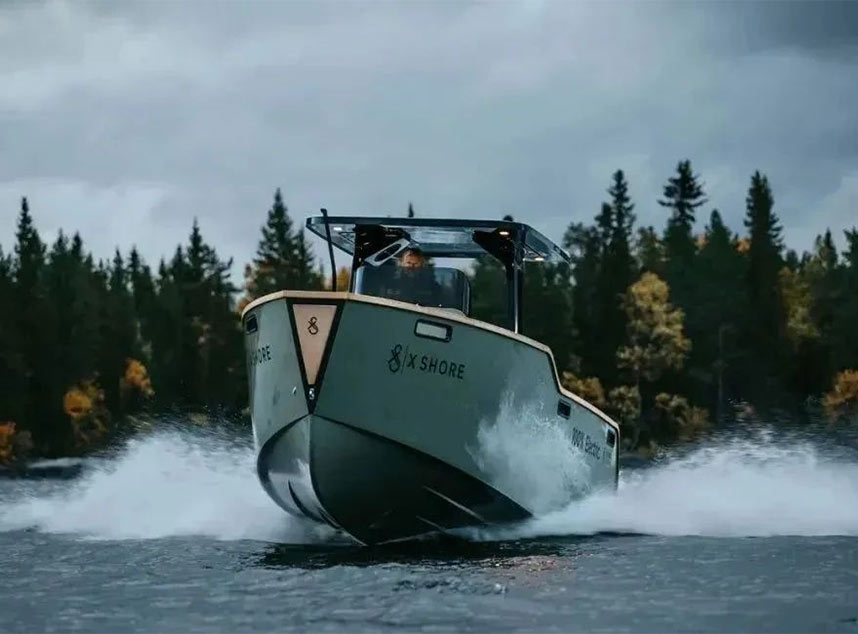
x=412 y=258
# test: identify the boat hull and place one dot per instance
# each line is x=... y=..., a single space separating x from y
x=389 y=421
x=318 y=468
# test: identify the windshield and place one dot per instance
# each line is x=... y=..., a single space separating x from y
x=427 y=286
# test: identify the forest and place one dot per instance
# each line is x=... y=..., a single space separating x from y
x=674 y=331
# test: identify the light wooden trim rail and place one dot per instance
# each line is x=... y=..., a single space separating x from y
x=441 y=314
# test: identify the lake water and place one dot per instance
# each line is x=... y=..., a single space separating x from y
x=752 y=533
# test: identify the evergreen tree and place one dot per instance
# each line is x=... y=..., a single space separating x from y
x=713 y=324
x=283 y=258
x=683 y=194
x=585 y=247
x=765 y=313
x=844 y=336
x=547 y=314
x=616 y=273
x=11 y=364
x=208 y=334
x=489 y=290
x=119 y=342
x=273 y=267
x=143 y=294
x=306 y=275
x=649 y=254
x=32 y=324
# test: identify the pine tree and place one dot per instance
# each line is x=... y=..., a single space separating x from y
x=33 y=324
x=119 y=340
x=489 y=289
x=585 y=247
x=10 y=361
x=683 y=194
x=649 y=251
x=306 y=275
x=143 y=294
x=202 y=329
x=547 y=315
x=844 y=332
x=765 y=313
x=274 y=266
x=616 y=273
x=714 y=323
x=29 y=254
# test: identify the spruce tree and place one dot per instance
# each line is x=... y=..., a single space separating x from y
x=119 y=341
x=764 y=318
x=714 y=323
x=547 y=314
x=274 y=267
x=32 y=322
x=585 y=247
x=616 y=274
x=844 y=332
x=683 y=194
x=649 y=251
x=10 y=361
x=306 y=275
x=143 y=294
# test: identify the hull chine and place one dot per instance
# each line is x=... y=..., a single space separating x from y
x=374 y=489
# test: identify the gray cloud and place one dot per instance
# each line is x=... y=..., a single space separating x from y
x=127 y=120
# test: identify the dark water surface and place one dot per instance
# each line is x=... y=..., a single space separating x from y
x=174 y=535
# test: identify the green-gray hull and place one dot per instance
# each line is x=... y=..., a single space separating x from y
x=388 y=421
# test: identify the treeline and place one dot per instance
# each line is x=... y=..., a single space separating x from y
x=670 y=330
x=675 y=330
x=89 y=348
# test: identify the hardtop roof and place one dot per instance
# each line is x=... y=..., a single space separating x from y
x=441 y=237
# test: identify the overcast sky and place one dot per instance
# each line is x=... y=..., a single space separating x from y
x=125 y=121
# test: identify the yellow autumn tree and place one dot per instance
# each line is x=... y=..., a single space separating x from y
x=624 y=402
x=655 y=344
x=841 y=403
x=137 y=378
x=343 y=279
x=7 y=438
x=798 y=301
x=683 y=420
x=84 y=405
x=590 y=388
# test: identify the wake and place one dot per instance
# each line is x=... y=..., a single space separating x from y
x=178 y=482
x=743 y=486
x=171 y=483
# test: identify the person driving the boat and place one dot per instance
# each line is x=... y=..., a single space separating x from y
x=412 y=258
x=416 y=278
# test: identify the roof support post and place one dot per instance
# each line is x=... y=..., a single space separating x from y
x=515 y=284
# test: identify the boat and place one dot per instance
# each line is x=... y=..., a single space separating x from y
x=367 y=403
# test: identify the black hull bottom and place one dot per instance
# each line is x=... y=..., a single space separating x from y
x=372 y=488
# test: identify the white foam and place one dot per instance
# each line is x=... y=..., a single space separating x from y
x=529 y=455
x=731 y=488
x=171 y=483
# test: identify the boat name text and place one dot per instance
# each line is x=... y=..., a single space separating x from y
x=585 y=443
x=260 y=355
x=402 y=359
